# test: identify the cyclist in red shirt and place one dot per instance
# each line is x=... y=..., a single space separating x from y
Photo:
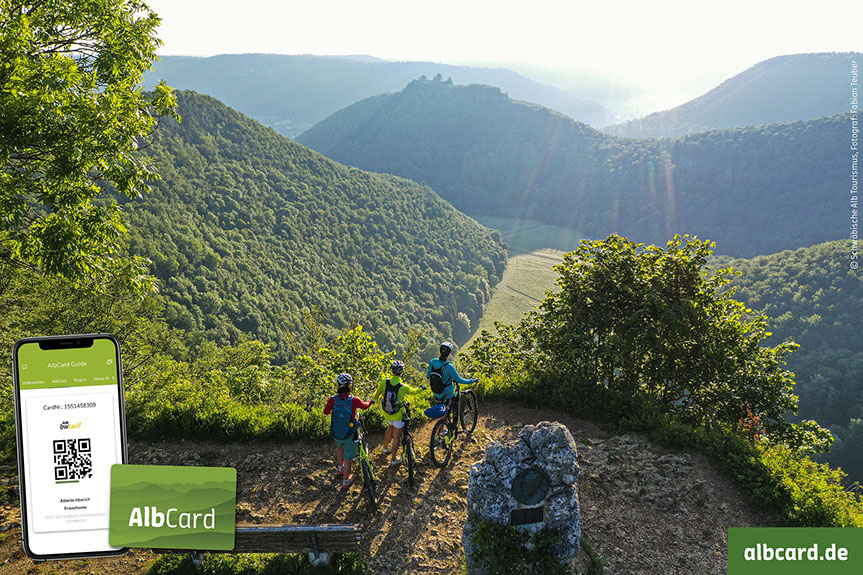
x=343 y=409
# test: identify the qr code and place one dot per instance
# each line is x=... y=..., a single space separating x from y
x=72 y=459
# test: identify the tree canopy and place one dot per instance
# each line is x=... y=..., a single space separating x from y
x=248 y=231
x=72 y=114
x=812 y=297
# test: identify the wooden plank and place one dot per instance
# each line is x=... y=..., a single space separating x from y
x=285 y=538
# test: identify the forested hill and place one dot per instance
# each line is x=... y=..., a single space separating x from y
x=752 y=190
x=781 y=89
x=247 y=229
x=292 y=93
x=813 y=297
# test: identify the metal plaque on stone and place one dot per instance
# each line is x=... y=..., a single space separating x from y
x=526 y=515
x=531 y=486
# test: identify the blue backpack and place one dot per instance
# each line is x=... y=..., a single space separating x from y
x=341 y=422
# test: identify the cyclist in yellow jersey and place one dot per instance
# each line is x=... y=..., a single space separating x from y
x=393 y=392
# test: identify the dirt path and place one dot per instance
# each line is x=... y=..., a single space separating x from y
x=646 y=510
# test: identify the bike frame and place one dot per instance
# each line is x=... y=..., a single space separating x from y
x=408 y=443
x=361 y=451
x=456 y=406
x=406 y=417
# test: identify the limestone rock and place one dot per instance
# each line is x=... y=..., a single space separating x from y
x=548 y=446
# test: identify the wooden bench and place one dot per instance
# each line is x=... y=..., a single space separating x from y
x=319 y=541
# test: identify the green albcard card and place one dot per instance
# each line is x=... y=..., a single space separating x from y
x=172 y=507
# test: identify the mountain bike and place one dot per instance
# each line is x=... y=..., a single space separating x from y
x=408 y=443
x=463 y=413
x=365 y=462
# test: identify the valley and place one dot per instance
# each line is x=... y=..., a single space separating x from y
x=490 y=155
x=534 y=249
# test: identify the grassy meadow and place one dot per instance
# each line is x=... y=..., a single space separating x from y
x=534 y=249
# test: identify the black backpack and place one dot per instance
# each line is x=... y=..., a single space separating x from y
x=436 y=378
x=390 y=399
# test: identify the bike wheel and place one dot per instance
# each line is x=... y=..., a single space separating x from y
x=368 y=482
x=441 y=447
x=469 y=411
x=409 y=459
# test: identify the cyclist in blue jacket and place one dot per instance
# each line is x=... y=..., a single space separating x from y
x=441 y=375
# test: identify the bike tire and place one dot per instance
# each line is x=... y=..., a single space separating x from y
x=469 y=411
x=409 y=459
x=368 y=482
x=440 y=448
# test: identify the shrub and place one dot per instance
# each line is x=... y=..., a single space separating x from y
x=505 y=550
x=256 y=564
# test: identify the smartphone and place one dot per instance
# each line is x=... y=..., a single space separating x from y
x=70 y=423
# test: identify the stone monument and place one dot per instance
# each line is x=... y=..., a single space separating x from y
x=530 y=484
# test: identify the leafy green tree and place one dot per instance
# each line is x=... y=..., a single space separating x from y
x=810 y=296
x=653 y=323
x=72 y=114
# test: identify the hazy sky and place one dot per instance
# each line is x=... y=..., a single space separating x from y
x=677 y=48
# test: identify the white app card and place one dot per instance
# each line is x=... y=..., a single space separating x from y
x=72 y=445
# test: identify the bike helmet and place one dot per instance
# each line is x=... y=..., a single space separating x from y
x=344 y=380
x=397 y=367
x=446 y=348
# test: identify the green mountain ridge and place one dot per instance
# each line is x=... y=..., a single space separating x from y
x=291 y=93
x=248 y=231
x=752 y=190
x=781 y=89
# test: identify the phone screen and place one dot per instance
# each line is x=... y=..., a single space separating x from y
x=69 y=412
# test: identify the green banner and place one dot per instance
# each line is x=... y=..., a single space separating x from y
x=41 y=369
x=170 y=507
x=794 y=550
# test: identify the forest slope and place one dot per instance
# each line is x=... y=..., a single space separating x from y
x=812 y=297
x=248 y=231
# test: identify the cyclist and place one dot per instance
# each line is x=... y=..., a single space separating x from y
x=441 y=374
x=343 y=425
x=394 y=392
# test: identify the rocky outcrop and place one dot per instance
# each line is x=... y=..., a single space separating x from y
x=542 y=462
